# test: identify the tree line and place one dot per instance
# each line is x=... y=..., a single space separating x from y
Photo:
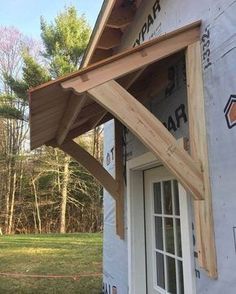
x=45 y=190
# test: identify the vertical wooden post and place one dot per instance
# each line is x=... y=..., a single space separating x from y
x=119 y=179
x=204 y=226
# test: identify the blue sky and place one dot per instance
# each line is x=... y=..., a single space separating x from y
x=25 y=14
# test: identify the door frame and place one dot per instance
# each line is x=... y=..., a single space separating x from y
x=136 y=226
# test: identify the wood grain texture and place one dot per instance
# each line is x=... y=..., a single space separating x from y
x=152 y=133
x=119 y=179
x=121 y=17
x=72 y=111
x=111 y=38
x=92 y=165
x=133 y=59
x=99 y=30
x=204 y=224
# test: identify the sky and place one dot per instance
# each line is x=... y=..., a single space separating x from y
x=25 y=14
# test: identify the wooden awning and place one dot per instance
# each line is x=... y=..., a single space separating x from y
x=52 y=103
x=70 y=106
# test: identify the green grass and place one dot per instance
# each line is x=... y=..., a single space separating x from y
x=54 y=254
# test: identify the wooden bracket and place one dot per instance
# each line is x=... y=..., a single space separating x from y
x=152 y=133
x=92 y=165
x=204 y=225
x=115 y=187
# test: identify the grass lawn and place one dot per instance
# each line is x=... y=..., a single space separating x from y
x=66 y=255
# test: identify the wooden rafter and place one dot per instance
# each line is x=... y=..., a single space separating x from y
x=87 y=126
x=99 y=30
x=72 y=110
x=97 y=121
x=152 y=133
x=111 y=38
x=134 y=59
x=120 y=17
x=127 y=82
x=198 y=145
x=101 y=54
x=150 y=81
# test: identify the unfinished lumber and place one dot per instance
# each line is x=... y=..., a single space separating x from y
x=152 y=133
x=87 y=126
x=133 y=59
x=72 y=111
x=101 y=54
x=204 y=225
x=119 y=179
x=92 y=165
x=121 y=17
x=101 y=26
x=99 y=119
x=111 y=38
x=128 y=81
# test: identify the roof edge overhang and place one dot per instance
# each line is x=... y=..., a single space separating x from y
x=113 y=20
x=104 y=13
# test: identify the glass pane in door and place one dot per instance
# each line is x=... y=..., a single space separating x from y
x=160 y=270
x=167 y=232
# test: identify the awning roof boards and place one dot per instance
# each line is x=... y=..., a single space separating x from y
x=49 y=102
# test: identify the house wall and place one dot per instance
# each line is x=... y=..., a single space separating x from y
x=218 y=41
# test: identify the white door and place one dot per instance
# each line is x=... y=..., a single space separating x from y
x=169 y=259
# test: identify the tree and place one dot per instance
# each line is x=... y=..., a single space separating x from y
x=47 y=191
x=65 y=41
x=12 y=114
x=11 y=45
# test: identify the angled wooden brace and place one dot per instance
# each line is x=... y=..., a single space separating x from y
x=152 y=133
x=113 y=186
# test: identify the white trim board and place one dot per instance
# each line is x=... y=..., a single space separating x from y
x=136 y=225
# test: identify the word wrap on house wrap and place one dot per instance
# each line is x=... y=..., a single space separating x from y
x=174 y=121
x=148 y=24
x=108 y=289
x=206 y=51
x=110 y=156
